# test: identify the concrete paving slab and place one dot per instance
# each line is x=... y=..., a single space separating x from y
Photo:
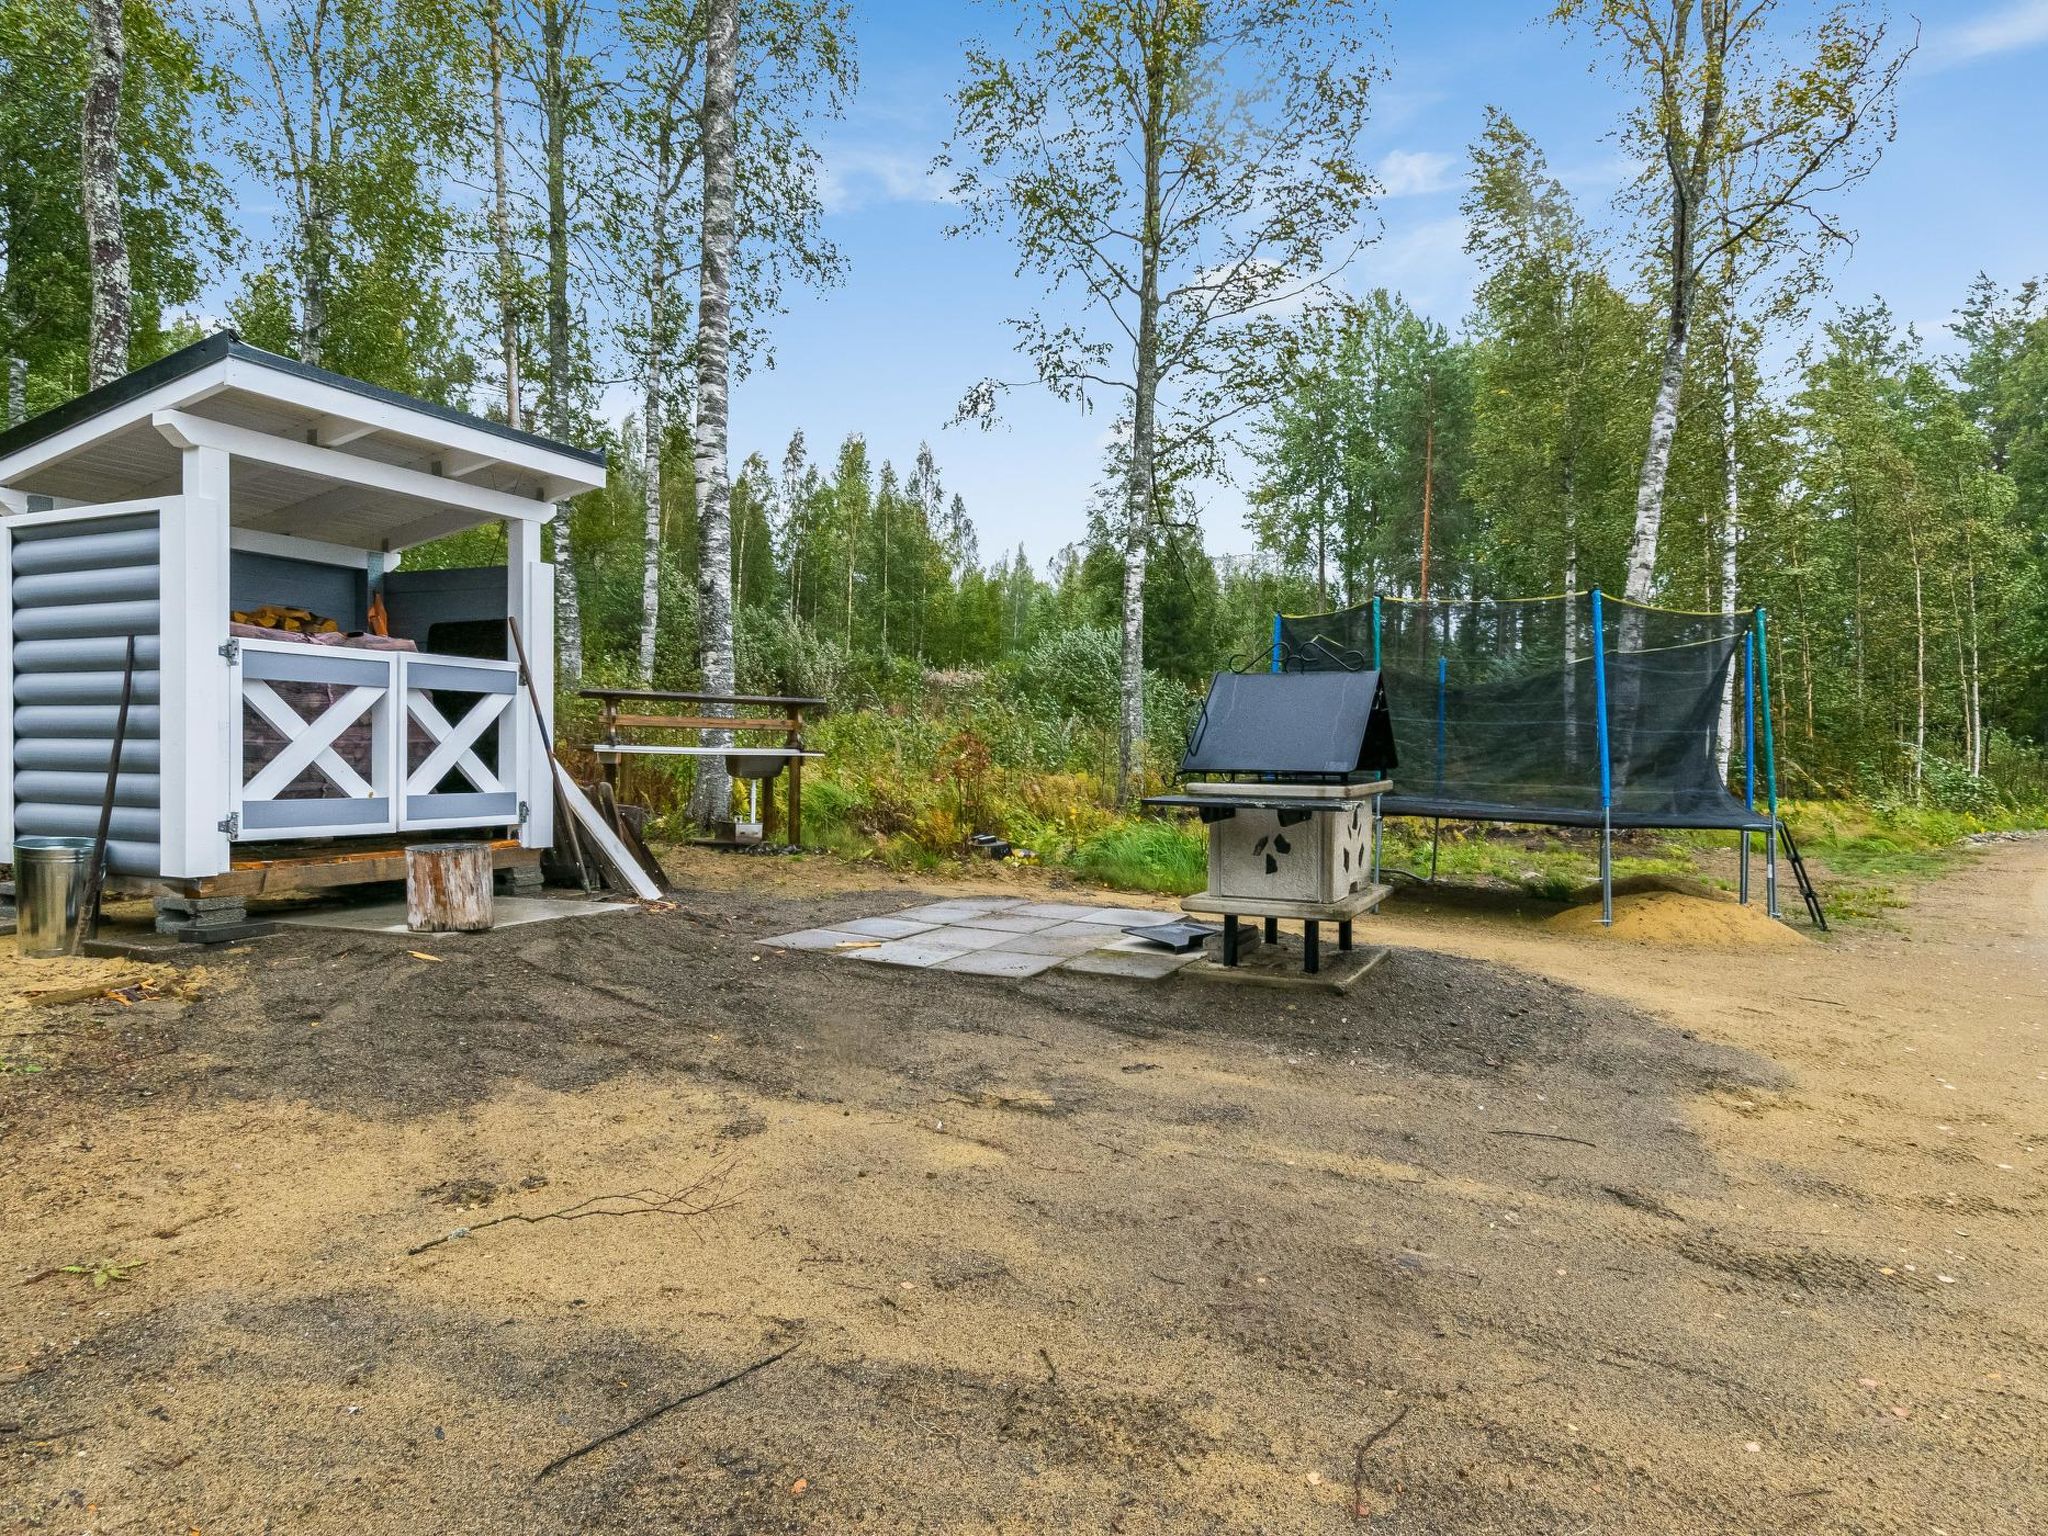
x=1050 y=942
x=1096 y=933
x=816 y=938
x=389 y=916
x=1129 y=917
x=914 y=953
x=1066 y=911
x=950 y=911
x=998 y=962
x=1153 y=967
x=951 y=937
x=1006 y=922
x=886 y=927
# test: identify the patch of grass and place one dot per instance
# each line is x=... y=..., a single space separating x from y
x=1170 y=857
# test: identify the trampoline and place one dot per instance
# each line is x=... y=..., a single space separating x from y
x=1579 y=710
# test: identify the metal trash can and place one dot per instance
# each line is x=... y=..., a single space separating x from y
x=49 y=879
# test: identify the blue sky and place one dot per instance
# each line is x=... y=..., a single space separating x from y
x=921 y=317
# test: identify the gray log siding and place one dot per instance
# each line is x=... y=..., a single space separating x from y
x=80 y=589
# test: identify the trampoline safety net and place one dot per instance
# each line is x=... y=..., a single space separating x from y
x=1497 y=706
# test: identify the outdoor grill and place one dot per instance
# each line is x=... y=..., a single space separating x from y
x=1286 y=770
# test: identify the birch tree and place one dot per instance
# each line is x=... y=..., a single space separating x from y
x=100 y=160
x=771 y=68
x=660 y=122
x=711 y=797
x=170 y=209
x=1181 y=175
x=348 y=116
x=1746 y=129
x=506 y=273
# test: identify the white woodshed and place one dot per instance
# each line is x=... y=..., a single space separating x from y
x=226 y=479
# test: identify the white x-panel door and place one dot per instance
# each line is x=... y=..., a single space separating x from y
x=491 y=797
x=350 y=695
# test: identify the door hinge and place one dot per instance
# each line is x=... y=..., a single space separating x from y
x=522 y=813
x=230 y=823
x=231 y=651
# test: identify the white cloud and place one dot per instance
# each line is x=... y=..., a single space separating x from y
x=1426 y=264
x=2010 y=28
x=858 y=176
x=1409 y=172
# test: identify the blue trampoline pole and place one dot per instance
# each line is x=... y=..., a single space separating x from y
x=1276 y=642
x=1763 y=680
x=1748 y=745
x=1443 y=675
x=1606 y=765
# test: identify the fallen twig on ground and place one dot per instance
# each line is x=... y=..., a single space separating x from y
x=1577 y=1141
x=1358 y=1508
x=639 y=1202
x=656 y=1412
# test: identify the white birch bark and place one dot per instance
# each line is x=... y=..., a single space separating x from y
x=1642 y=546
x=501 y=219
x=1141 y=485
x=652 y=415
x=1731 y=496
x=712 y=798
x=555 y=108
x=107 y=243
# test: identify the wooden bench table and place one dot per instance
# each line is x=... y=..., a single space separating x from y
x=633 y=709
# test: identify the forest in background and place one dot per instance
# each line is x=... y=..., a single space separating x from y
x=501 y=206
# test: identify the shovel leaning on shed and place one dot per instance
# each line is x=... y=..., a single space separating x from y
x=88 y=920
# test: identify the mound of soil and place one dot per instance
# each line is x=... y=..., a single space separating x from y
x=1681 y=918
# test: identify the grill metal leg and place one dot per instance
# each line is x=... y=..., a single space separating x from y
x=1311 y=957
x=1229 y=939
x=1344 y=934
x=1272 y=930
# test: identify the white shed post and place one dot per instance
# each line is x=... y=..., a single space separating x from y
x=530 y=599
x=199 y=774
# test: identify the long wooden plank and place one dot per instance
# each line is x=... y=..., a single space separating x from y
x=709 y=723
x=599 y=831
x=702 y=698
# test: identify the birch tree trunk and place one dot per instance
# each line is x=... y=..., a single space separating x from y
x=1731 y=496
x=555 y=108
x=1642 y=544
x=107 y=242
x=1139 y=490
x=652 y=415
x=650 y=533
x=719 y=135
x=501 y=219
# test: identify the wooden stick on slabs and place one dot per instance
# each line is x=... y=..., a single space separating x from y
x=547 y=745
x=96 y=872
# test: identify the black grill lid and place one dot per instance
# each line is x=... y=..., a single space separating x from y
x=1321 y=724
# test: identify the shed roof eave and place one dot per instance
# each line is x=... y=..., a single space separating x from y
x=223 y=361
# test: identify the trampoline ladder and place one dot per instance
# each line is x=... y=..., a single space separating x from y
x=1805 y=881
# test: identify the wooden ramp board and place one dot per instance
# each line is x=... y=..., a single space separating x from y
x=593 y=826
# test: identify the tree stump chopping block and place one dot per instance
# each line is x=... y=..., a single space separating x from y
x=448 y=887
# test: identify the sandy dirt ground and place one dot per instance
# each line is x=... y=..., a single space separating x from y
x=1545 y=1230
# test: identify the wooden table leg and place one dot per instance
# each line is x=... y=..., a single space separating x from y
x=796 y=802
x=1311 y=957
